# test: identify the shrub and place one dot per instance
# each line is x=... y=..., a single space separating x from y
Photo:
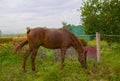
x=5 y=39
x=83 y=41
x=9 y=39
x=18 y=39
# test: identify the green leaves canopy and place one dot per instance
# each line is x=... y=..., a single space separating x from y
x=101 y=16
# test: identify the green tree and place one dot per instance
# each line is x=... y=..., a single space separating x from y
x=101 y=16
x=0 y=33
x=67 y=26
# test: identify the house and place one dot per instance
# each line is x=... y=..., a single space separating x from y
x=79 y=32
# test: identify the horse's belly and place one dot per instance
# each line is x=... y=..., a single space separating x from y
x=52 y=45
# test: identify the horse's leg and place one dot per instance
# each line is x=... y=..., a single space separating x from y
x=63 y=50
x=33 y=58
x=25 y=58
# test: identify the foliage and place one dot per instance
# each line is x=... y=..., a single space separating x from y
x=5 y=40
x=0 y=33
x=106 y=70
x=9 y=39
x=83 y=41
x=101 y=16
x=18 y=39
x=14 y=35
x=67 y=26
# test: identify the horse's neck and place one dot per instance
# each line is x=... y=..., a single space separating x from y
x=77 y=45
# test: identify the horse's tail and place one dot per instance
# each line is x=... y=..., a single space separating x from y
x=20 y=45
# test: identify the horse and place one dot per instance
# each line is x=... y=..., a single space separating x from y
x=52 y=39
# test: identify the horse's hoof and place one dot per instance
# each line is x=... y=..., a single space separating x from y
x=24 y=71
x=62 y=66
x=35 y=71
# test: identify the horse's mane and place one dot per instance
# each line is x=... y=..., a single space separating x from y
x=77 y=42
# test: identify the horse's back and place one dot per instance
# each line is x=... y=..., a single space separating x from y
x=50 y=33
x=50 y=38
x=56 y=38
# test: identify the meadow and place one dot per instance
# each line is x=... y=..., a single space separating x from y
x=108 y=69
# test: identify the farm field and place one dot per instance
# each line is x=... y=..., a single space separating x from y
x=48 y=70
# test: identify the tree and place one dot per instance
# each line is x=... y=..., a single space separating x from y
x=0 y=33
x=101 y=16
x=67 y=26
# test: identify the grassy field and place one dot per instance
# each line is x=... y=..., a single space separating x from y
x=106 y=70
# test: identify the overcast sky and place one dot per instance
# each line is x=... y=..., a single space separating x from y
x=16 y=15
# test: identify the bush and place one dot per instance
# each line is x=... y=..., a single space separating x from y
x=83 y=41
x=9 y=39
x=18 y=39
x=5 y=39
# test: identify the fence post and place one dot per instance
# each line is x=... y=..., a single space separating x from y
x=98 y=46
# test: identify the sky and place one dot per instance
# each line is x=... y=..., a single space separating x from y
x=16 y=15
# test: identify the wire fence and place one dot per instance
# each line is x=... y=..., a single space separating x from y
x=101 y=45
x=102 y=35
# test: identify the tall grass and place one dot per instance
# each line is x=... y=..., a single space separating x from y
x=106 y=70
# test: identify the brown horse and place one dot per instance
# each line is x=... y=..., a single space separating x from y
x=52 y=39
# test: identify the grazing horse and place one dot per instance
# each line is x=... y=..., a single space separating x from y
x=52 y=39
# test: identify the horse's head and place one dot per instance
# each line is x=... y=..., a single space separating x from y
x=82 y=59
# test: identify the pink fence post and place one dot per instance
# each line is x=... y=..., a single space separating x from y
x=98 y=46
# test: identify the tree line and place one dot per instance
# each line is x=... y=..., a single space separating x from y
x=101 y=16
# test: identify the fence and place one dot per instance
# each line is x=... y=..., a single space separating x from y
x=98 y=40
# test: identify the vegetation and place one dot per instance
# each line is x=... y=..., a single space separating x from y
x=67 y=26
x=101 y=16
x=14 y=35
x=5 y=40
x=83 y=41
x=0 y=33
x=9 y=39
x=48 y=70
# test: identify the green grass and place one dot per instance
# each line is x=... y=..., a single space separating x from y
x=106 y=70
